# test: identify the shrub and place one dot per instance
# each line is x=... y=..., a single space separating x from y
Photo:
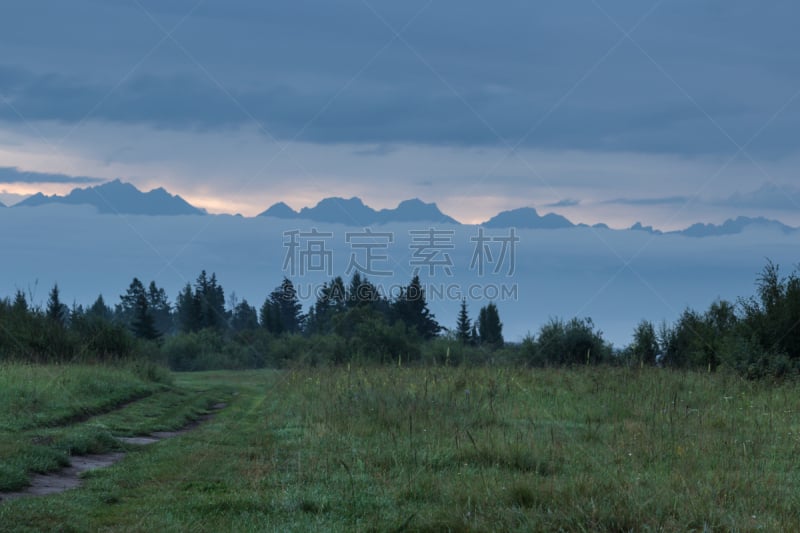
x=570 y=343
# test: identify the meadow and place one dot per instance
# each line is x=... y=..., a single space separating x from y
x=428 y=449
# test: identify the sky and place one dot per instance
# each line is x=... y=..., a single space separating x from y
x=668 y=112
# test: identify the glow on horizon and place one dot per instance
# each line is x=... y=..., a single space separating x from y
x=465 y=209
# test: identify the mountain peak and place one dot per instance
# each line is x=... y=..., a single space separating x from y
x=527 y=217
x=119 y=197
x=734 y=226
x=353 y=212
x=415 y=210
x=279 y=210
x=648 y=229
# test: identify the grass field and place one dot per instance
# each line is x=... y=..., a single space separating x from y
x=438 y=449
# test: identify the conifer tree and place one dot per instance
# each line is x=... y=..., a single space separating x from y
x=187 y=312
x=99 y=309
x=20 y=304
x=56 y=311
x=464 y=324
x=411 y=307
x=490 y=329
x=282 y=311
x=245 y=317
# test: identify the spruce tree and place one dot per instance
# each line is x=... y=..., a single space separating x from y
x=464 y=324
x=291 y=308
x=187 y=311
x=20 y=304
x=160 y=308
x=411 y=308
x=136 y=312
x=490 y=329
x=282 y=311
x=56 y=311
x=144 y=324
x=245 y=317
x=100 y=310
x=331 y=300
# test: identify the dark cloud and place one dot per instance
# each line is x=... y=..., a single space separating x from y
x=15 y=175
x=463 y=73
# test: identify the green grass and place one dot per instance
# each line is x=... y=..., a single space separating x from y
x=47 y=395
x=438 y=449
x=51 y=412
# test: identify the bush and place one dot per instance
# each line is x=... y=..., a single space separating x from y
x=195 y=351
x=750 y=360
x=568 y=343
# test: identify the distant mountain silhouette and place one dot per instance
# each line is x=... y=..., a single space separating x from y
x=353 y=212
x=2 y=205
x=734 y=226
x=648 y=229
x=599 y=225
x=415 y=210
x=280 y=210
x=528 y=218
x=119 y=197
x=123 y=198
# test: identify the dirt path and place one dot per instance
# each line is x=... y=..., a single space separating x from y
x=70 y=477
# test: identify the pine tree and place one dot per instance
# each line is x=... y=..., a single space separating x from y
x=210 y=302
x=129 y=301
x=187 y=311
x=464 y=324
x=245 y=317
x=143 y=324
x=490 y=329
x=56 y=311
x=136 y=313
x=20 y=304
x=361 y=291
x=160 y=308
x=282 y=311
x=100 y=310
x=194 y=310
x=412 y=308
x=331 y=300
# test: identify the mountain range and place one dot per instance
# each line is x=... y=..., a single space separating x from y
x=117 y=197
x=353 y=212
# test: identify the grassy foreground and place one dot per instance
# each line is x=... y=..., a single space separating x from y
x=51 y=412
x=438 y=449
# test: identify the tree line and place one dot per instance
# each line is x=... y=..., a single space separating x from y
x=371 y=323
x=757 y=336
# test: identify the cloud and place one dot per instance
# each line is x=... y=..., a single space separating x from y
x=464 y=73
x=567 y=202
x=663 y=200
x=14 y=175
x=768 y=197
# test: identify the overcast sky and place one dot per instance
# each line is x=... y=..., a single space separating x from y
x=668 y=112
